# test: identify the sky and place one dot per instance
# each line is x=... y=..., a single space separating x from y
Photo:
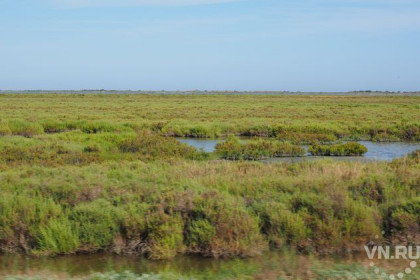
x=294 y=45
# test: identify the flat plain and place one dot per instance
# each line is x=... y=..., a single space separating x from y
x=89 y=173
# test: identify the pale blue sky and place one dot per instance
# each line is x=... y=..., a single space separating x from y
x=306 y=45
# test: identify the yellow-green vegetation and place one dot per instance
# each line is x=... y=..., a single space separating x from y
x=89 y=173
x=293 y=118
x=233 y=149
x=347 y=149
x=163 y=208
x=79 y=148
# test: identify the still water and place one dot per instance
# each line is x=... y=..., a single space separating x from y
x=271 y=265
x=376 y=150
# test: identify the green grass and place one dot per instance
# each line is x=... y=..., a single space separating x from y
x=97 y=173
x=301 y=119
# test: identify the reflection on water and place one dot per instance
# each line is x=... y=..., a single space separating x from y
x=376 y=150
x=207 y=145
x=272 y=265
x=388 y=151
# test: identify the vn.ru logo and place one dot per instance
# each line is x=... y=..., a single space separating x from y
x=393 y=253
x=409 y=253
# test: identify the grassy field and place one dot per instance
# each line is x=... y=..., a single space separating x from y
x=89 y=173
x=295 y=118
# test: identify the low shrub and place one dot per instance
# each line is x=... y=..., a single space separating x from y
x=230 y=229
x=404 y=217
x=18 y=152
x=200 y=234
x=58 y=237
x=92 y=149
x=281 y=226
x=4 y=129
x=22 y=219
x=232 y=149
x=97 y=127
x=347 y=149
x=184 y=129
x=415 y=155
x=52 y=126
x=259 y=131
x=150 y=144
x=97 y=222
x=25 y=128
x=411 y=133
x=165 y=236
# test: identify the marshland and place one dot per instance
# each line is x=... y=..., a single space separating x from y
x=85 y=176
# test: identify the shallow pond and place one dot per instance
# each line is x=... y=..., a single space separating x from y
x=376 y=150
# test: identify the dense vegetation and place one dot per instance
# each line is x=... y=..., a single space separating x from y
x=233 y=149
x=162 y=208
x=347 y=149
x=98 y=173
x=300 y=119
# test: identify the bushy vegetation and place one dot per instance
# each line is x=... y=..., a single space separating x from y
x=99 y=174
x=78 y=148
x=151 y=144
x=163 y=208
x=20 y=127
x=233 y=149
x=347 y=149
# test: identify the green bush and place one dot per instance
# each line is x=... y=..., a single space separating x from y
x=347 y=149
x=166 y=236
x=232 y=149
x=281 y=226
x=98 y=223
x=405 y=217
x=200 y=233
x=21 y=218
x=151 y=144
x=58 y=237
x=234 y=231
x=20 y=152
x=134 y=220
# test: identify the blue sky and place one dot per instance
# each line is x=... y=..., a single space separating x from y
x=305 y=45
